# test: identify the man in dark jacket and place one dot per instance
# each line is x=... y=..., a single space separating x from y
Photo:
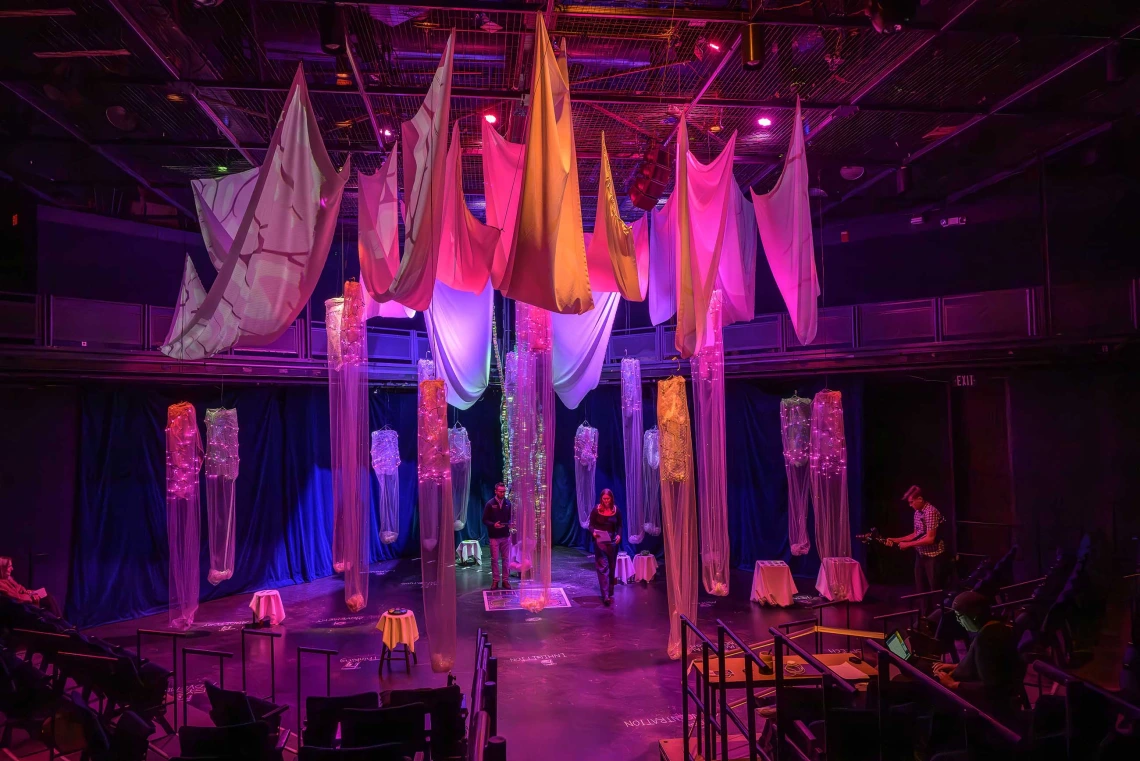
x=497 y=519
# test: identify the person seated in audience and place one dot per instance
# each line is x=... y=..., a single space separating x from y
x=11 y=588
x=991 y=674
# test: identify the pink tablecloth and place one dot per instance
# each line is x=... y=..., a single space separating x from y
x=841 y=579
x=644 y=567
x=267 y=604
x=772 y=583
x=624 y=568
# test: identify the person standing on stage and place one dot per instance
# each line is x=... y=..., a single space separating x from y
x=605 y=525
x=930 y=550
x=497 y=519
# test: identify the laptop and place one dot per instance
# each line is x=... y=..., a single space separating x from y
x=897 y=644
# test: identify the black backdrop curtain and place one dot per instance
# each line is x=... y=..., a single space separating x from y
x=284 y=494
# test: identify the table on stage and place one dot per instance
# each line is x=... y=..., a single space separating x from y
x=469 y=552
x=623 y=569
x=644 y=567
x=267 y=604
x=772 y=583
x=734 y=666
x=841 y=579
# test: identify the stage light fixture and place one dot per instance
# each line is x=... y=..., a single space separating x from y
x=491 y=118
x=331 y=25
x=714 y=46
x=484 y=22
x=175 y=97
x=889 y=16
x=223 y=168
x=764 y=121
x=752 y=46
x=902 y=180
x=387 y=132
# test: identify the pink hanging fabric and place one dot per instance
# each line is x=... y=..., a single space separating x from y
x=631 y=433
x=736 y=274
x=829 y=476
x=615 y=249
x=678 y=507
x=460 y=444
x=221 y=472
x=386 y=465
x=547 y=263
x=467 y=247
x=663 y=238
x=378 y=226
x=795 y=426
x=437 y=539
x=348 y=430
x=183 y=511
x=391 y=309
x=533 y=427
x=579 y=349
x=708 y=398
x=502 y=186
x=276 y=252
x=784 y=218
x=585 y=465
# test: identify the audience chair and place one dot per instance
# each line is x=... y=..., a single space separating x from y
x=322 y=715
x=387 y=752
x=448 y=717
x=404 y=725
x=240 y=742
x=234 y=707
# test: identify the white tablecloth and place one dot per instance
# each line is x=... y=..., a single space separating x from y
x=624 y=570
x=772 y=583
x=469 y=552
x=841 y=579
x=399 y=629
x=267 y=604
x=644 y=567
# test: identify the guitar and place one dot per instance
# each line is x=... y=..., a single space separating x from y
x=874 y=536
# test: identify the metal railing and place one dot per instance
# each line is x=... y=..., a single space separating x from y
x=220 y=655
x=830 y=681
x=751 y=701
x=272 y=658
x=328 y=654
x=707 y=724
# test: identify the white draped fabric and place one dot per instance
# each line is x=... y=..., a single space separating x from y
x=580 y=342
x=795 y=425
x=547 y=264
x=736 y=274
x=829 y=476
x=276 y=253
x=631 y=433
x=502 y=186
x=651 y=477
x=386 y=465
x=460 y=445
x=221 y=203
x=585 y=465
x=222 y=461
x=663 y=262
x=784 y=218
x=459 y=332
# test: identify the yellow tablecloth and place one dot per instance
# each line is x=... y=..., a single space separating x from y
x=399 y=628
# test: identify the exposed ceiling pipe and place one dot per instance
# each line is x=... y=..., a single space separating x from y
x=363 y=95
x=30 y=188
x=728 y=54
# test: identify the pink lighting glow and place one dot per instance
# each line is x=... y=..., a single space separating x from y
x=764 y=121
x=491 y=118
x=714 y=45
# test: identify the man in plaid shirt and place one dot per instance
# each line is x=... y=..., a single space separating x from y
x=929 y=549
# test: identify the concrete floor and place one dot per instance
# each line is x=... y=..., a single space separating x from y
x=588 y=682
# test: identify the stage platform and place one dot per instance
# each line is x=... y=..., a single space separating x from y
x=584 y=682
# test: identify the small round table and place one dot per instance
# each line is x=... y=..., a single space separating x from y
x=644 y=567
x=267 y=604
x=624 y=568
x=399 y=636
x=841 y=579
x=469 y=552
x=772 y=583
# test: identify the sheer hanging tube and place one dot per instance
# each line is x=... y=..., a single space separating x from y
x=829 y=476
x=795 y=427
x=386 y=464
x=708 y=397
x=534 y=428
x=678 y=507
x=437 y=539
x=651 y=477
x=585 y=464
x=631 y=433
x=221 y=473
x=183 y=511
x=348 y=429
x=460 y=445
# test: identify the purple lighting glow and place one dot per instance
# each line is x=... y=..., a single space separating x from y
x=764 y=121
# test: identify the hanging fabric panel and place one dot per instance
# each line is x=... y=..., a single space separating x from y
x=580 y=344
x=467 y=247
x=829 y=476
x=736 y=274
x=221 y=203
x=437 y=539
x=708 y=398
x=651 y=477
x=613 y=251
x=460 y=445
x=348 y=429
x=378 y=220
x=459 y=333
x=534 y=429
x=663 y=238
x=221 y=473
x=795 y=427
x=678 y=507
x=585 y=464
x=502 y=187
x=386 y=465
x=547 y=264
x=631 y=433
x=278 y=250
x=183 y=511
x=784 y=217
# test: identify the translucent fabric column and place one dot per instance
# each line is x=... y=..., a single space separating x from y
x=678 y=507
x=585 y=465
x=795 y=426
x=651 y=477
x=348 y=422
x=829 y=476
x=437 y=540
x=534 y=427
x=221 y=472
x=631 y=433
x=386 y=464
x=460 y=446
x=708 y=398
x=183 y=511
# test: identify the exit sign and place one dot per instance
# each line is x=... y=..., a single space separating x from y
x=965 y=380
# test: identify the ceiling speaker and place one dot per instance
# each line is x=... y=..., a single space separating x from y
x=649 y=181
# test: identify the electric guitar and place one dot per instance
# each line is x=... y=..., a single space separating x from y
x=874 y=536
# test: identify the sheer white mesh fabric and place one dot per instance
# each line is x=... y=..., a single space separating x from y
x=708 y=398
x=678 y=507
x=460 y=445
x=651 y=477
x=631 y=433
x=221 y=473
x=183 y=511
x=585 y=465
x=795 y=425
x=333 y=311
x=437 y=539
x=829 y=476
x=386 y=464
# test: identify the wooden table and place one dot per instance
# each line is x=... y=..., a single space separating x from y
x=735 y=666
